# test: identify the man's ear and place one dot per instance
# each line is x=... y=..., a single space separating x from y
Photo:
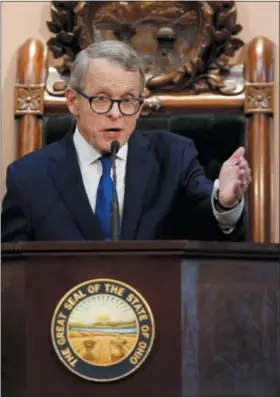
x=72 y=101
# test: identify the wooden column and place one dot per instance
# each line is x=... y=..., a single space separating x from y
x=29 y=95
x=259 y=78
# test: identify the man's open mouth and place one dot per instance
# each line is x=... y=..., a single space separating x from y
x=112 y=130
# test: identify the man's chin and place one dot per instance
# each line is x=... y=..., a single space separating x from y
x=106 y=147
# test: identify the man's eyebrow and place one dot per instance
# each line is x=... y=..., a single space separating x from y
x=128 y=93
x=107 y=93
x=101 y=91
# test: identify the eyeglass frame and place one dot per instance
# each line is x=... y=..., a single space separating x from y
x=140 y=99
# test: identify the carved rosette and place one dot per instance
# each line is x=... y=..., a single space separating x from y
x=29 y=99
x=198 y=65
x=259 y=97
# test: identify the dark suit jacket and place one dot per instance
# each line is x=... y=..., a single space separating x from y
x=167 y=195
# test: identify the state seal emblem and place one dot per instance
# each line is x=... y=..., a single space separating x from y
x=102 y=330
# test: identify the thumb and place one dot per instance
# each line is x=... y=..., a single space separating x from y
x=237 y=154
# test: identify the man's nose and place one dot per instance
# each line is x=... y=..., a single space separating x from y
x=115 y=111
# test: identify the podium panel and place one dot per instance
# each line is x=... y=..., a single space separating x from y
x=215 y=308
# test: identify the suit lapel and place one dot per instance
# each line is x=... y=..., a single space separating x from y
x=140 y=165
x=65 y=172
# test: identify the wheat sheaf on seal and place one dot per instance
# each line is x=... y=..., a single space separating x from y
x=102 y=330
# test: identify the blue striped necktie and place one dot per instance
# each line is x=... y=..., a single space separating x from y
x=105 y=196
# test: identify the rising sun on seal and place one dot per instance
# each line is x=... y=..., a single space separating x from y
x=102 y=330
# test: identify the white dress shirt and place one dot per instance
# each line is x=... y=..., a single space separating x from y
x=91 y=170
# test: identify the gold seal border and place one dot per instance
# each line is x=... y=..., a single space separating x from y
x=127 y=286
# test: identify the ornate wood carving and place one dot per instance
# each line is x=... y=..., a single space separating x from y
x=185 y=45
x=29 y=99
x=259 y=97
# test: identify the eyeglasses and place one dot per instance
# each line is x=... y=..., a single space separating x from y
x=102 y=104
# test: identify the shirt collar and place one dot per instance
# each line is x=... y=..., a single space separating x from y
x=87 y=154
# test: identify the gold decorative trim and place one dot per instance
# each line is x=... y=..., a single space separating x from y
x=29 y=99
x=259 y=98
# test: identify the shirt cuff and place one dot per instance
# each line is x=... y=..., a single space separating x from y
x=227 y=219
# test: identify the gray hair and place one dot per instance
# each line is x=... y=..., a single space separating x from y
x=113 y=50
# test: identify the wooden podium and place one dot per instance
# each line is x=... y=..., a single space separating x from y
x=215 y=306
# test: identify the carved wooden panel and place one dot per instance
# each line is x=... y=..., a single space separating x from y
x=29 y=99
x=184 y=44
x=259 y=97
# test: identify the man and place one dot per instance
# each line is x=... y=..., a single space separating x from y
x=64 y=190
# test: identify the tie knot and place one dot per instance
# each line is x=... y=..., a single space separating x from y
x=106 y=161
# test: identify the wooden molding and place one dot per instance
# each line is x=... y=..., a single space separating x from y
x=175 y=103
x=259 y=75
x=29 y=94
